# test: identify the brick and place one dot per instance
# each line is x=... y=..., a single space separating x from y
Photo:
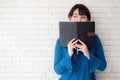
x=29 y=30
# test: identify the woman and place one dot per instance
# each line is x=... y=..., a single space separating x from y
x=73 y=66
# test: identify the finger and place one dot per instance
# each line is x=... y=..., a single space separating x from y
x=78 y=46
x=72 y=40
x=73 y=46
x=81 y=42
x=75 y=41
x=79 y=49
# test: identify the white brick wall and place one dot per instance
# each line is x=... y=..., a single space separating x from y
x=29 y=29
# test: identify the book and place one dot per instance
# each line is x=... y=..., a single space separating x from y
x=85 y=31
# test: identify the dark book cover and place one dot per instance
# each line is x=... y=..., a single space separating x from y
x=84 y=31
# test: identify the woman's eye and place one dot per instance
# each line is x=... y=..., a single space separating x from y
x=83 y=17
x=75 y=16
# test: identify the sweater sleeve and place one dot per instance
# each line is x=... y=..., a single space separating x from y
x=97 y=60
x=61 y=62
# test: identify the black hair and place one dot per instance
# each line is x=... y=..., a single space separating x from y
x=83 y=10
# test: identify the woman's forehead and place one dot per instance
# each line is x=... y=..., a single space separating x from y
x=76 y=12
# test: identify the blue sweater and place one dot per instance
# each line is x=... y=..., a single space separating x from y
x=79 y=67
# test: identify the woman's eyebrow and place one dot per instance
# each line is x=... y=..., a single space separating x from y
x=75 y=14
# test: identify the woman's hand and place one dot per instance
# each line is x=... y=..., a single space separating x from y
x=82 y=47
x=71 y=47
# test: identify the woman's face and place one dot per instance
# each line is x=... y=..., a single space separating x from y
x=78 y=18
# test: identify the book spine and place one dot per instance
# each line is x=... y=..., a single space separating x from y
x=77 y=29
